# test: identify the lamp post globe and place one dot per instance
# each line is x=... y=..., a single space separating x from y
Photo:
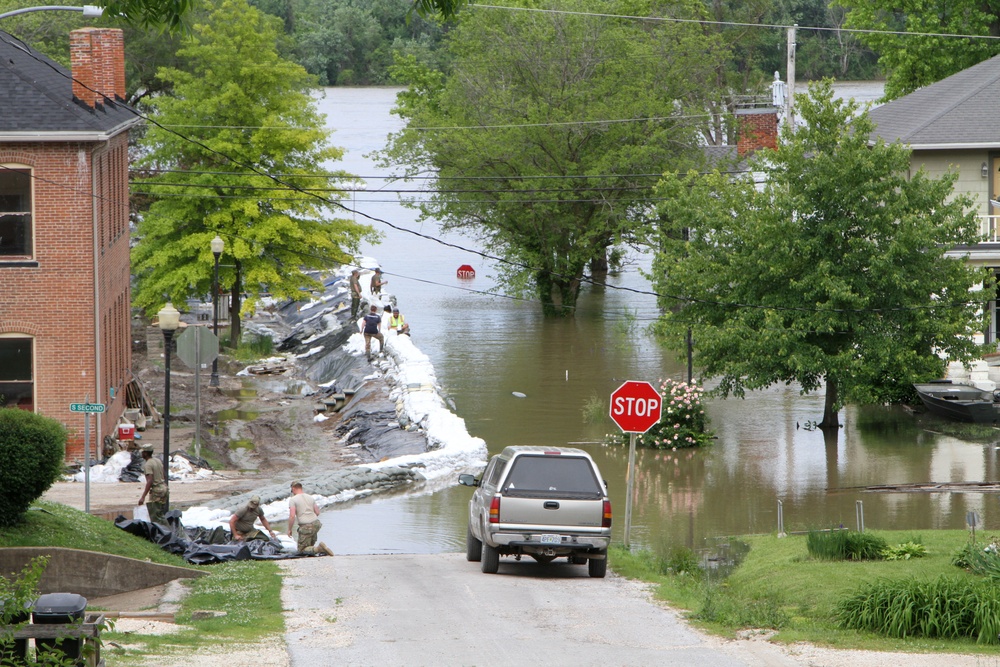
x=218 y=245
x=170 y=319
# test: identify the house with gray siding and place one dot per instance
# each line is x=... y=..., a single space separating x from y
x=954 y=125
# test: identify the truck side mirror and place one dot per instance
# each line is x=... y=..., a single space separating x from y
x=468 y=480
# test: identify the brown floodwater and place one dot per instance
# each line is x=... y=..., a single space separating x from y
x=486 y=347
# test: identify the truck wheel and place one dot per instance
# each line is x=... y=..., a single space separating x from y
x=473 y=547
x=490 y=559
x=598 y=567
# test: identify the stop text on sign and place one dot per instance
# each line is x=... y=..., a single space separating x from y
x=629 y=406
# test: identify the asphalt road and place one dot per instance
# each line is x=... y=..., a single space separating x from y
x=441 y=610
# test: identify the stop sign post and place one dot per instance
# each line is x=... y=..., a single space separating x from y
x=197 y=346
x=636 y=406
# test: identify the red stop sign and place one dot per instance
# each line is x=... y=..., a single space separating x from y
x=635 y=406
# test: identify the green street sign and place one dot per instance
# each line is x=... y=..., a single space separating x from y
x=87 y=407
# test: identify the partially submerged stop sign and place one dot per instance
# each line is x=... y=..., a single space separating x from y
x=636 y=406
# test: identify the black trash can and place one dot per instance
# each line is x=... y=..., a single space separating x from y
x=15 y=651
x=56 y=608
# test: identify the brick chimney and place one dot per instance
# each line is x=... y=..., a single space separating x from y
x=97 y=60
x=757 y=128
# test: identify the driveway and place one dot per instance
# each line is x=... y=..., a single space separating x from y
x=441 y=610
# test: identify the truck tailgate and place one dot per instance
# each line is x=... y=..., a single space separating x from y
x=554 y=512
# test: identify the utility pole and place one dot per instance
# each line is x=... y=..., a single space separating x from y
x=789 y=103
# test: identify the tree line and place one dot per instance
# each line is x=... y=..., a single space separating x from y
x=355 y=42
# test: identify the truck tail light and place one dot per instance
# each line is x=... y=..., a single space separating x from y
x=606 y=522
x=495 y=510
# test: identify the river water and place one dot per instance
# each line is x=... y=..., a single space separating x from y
x=485 y=347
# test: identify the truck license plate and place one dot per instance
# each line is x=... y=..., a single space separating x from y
x=551 y=539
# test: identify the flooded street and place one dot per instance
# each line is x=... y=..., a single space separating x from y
x=485 y=347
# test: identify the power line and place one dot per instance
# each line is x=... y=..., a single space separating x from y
x=667 y=19
x=413 y=177
x=630 y=201
x=310 y=190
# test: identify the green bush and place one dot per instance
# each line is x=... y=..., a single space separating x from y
x=18 y=592
x=595 y=410
x=845 y=545
x=32 y=448
x=254 y=347
x=682 y=561
x=947 y=607
x=904 y=551
x=982 y=561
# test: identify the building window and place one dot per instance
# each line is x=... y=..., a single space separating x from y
x=15 y=212
x=17 y=389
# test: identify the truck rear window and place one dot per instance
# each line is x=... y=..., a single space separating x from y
x=561 y=476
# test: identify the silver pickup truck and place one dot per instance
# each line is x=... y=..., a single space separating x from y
x=544 y=502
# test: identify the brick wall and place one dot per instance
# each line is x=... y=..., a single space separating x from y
x=79 y=210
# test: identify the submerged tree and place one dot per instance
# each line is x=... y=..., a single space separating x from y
x=546 y=131
x=834 y=272
x=237 y=151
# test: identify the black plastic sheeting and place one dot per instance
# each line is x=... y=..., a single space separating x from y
x=203 y=546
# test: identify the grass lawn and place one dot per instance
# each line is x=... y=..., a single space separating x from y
x=778 y=585
x=248 y=591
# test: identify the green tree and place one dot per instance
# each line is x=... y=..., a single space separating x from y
x=32 y=448
x=545 y=128
x=910 y=61
x=172 y=13
x=352 y=41
x=834 y=271
x=244 y=113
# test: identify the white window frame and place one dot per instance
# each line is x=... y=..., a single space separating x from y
x=8 y=201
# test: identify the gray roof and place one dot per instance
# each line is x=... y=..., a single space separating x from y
x=725 y=159
x=39 y=105
x=962 y=111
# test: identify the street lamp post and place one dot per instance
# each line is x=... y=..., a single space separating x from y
x=218 y=245
x=170 y=319
x=89 y=11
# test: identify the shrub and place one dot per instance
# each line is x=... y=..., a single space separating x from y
x=947 y=608
x=253 y=347
x=682 y=561
x=32 y=448
x=683 y=422
x=18 y=592
x=845 y=545
x=594 y=409
x=982 y=561
x=904 y=551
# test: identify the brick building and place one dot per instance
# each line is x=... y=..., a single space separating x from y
x=64 y=232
